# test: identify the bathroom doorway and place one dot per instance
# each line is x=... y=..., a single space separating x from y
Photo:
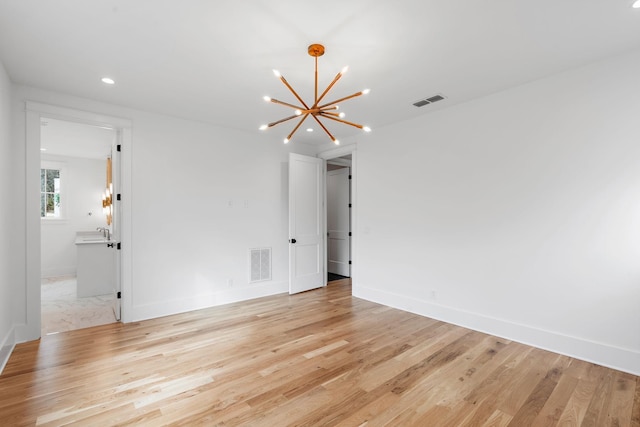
x=77 y=223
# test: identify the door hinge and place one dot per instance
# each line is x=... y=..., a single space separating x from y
x=118 y=246
x=349 y=262
x=349 y=234
x=118 y=147
x=119 y=295
x=349 y=204
x=118 y=196
x=349 y=176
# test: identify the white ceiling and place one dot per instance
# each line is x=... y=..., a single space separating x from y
x=64 y=138
x=211 y=60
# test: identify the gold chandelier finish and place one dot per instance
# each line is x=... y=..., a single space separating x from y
x=316 y=110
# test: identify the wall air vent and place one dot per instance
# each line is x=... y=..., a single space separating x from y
x=430 y=100
x=260 y=260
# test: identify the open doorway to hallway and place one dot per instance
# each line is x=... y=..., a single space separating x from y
x=338 y=217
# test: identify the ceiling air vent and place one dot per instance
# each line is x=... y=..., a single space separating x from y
x=429 y=100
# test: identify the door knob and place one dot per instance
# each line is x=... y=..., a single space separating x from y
x=292 y=241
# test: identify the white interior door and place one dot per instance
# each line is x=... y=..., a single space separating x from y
x=306 y=243
x=338 y=222
x=116 y=223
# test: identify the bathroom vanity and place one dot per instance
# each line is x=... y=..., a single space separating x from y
x=96 y=264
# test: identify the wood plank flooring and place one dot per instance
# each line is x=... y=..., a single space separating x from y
x=321 y=358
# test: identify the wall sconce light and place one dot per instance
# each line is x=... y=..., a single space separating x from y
x=107 y=196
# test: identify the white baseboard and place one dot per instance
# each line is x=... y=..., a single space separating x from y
x=57 y=272
x=7 y=345
x=166 y=308
x=622 y=359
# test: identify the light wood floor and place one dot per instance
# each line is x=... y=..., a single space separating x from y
x=314 y=359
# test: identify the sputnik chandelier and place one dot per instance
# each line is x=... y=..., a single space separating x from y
x=316 y=110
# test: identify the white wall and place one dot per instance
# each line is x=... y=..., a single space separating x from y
x=201 y=197
x=6 y=216
x=517 y=214
x=84 y=182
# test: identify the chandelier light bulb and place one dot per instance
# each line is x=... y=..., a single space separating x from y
x=298 y=112
x=341 y=115
x=286 y=140
x=336 y=142
x=366 y=129
x=277 y=73
x=263 y=127
x=636 y=4
x=366 y=91
x=267 y=98
x=344 y=70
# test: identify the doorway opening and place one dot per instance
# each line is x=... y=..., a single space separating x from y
x=34 y=113
x=345 y=262
x=78 y=274
x=338 y=218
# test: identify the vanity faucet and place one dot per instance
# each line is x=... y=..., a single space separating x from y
x=106 y=233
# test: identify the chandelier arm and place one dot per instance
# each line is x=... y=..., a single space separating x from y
x=341 y=99
x=335 y=80
x=297 y=126
x=272 y=124
x=342 y=121
x=295 y=107
x=324 y=109
x=293 y=91
x=325 y=129
x=329 y=113
x=319 y=110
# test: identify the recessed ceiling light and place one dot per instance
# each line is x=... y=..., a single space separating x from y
x=636 y=4
x=108 y=81
x=309 y=130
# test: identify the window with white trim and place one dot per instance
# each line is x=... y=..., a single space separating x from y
x=51 y=191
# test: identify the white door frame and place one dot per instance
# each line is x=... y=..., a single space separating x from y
x=342 y=213
x=332 y=154
x=35 y=111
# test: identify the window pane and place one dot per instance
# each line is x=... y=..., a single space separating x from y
x=51 y=177
x=50 y=204
x=42 y=172
x=42 y=202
